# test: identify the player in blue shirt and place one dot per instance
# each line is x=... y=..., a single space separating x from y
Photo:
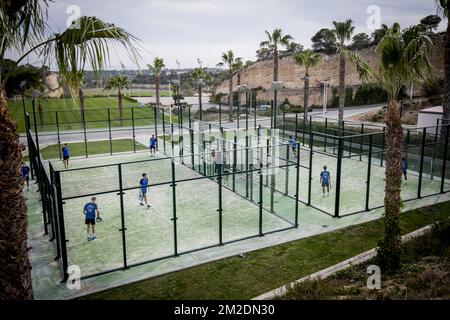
x=89 y=211
x=405 y=168
x=25 y=170
x=325 y=181
x=66 y=155
x=144 y=189
x=153 y=145
x=293 y=144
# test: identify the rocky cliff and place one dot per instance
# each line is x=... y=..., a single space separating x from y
x=260 y=74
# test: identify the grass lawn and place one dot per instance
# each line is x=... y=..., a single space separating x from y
x=68 y=113
x=424 y=274
x=94 y=147
x=270 y=268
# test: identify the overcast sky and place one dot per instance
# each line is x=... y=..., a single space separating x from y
x=185 y=30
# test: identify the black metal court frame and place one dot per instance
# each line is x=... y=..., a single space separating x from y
x=426 y=150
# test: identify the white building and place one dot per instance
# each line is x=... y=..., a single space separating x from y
x=430 y=117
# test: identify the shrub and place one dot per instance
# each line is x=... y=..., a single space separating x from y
x=348 y=97
x=335 y=100
x=370 y=94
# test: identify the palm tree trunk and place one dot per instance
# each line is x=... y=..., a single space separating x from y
x=83 y=116
x=230 y=97
x=15 y=277
x=158 y=79
x=341 y=87
x=390 y=248
x=120 y=98
x=446 y=108
x=306 y=98
x=275 y=65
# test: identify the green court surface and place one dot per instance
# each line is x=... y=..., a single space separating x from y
x=149 y=232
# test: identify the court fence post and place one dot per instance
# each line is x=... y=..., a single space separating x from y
x=164 y=130
x=220 y=210
x=234 y=161
x=311 y=153
x=369 y=168
x=122 y=216
x=191 y=133
x=422 y=155
x=109 y=130
x=297 y=183
x=134 y=132
x=303 y=129
x=246 y=167
x=296 y=126
x=267 y=161
x=286 y=187
x=172 y=140
x=435 y=143
x=174 y=203
x=284 y=124
x=444 y=163
x=155 y=111
x=61 y=228
x=325 y=138
x=260 y=202
x=338 y=177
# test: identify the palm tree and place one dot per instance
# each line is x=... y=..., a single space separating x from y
x=444 y=9
x=401 y=59
x=120 y=83
x=198 y=76
x=274 y=42
x=229 y=61
x=343 y=32
x=307 y=59
x=23 y=26
x=157 y=66
x=238 y=66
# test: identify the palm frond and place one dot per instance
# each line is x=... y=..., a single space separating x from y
x=89 y=43
x=362 y=67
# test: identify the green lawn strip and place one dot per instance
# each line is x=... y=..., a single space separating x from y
x=266 y=269
x=72 y=120
x=94 y=147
